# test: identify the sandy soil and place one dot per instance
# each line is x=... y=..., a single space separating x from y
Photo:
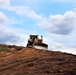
x=29 y=61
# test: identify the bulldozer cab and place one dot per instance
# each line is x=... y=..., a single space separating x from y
x=33 y=37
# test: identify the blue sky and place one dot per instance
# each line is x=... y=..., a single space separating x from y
x=54 y=19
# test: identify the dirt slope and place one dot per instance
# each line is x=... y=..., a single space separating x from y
x=29 y=61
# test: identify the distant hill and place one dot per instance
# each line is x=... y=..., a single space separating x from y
x=17 y=60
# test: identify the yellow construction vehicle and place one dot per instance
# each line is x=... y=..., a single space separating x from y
x=35 y=42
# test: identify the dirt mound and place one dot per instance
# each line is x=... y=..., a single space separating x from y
x=29 y=61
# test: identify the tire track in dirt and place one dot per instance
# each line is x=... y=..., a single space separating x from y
x=15 y=63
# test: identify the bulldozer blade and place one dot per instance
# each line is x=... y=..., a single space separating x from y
x=40 y=47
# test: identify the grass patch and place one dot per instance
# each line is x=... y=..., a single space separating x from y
x=4 y=49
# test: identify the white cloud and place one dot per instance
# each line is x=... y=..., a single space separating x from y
x=59 y=24
x=69 y=50
x=12 y=36
x=4 y=3
x=26 y=11
x=61 y=30
x=3 y=18
x=61 y=47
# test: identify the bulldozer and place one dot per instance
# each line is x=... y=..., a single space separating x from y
x=35 y=42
